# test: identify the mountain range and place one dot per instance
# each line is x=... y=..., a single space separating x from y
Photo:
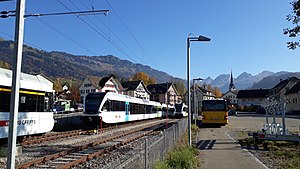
x=264 y=80
x=64 y=65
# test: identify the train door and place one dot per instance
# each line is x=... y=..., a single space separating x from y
x=126 y=111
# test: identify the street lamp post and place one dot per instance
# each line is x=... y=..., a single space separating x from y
x=194 y=98
x=189 y=39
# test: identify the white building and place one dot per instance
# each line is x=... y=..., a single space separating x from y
x=136 y=89
x=254 y=97
x=230 y=96
x=293 y=99
x=92 y=84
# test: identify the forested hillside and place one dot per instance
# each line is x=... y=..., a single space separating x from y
x=64 y=65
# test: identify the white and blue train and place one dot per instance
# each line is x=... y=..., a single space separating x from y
x=181 y=110
x=167 y=111
x=35 y=95
x=111 y=108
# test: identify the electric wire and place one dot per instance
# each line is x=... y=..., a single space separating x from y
x=102 y=35
x=67 y=37
x=109 y=31
x=57 y=31
x=26 y=43
x=126 y=27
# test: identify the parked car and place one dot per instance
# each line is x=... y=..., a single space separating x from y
x=232 y=112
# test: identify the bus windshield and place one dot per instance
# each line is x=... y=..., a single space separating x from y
x=213 y=105
x=93 y=101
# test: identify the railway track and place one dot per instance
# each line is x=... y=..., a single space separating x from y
x=70 y=134
x=80 y=154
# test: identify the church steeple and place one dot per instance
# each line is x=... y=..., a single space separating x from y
x=231 y=85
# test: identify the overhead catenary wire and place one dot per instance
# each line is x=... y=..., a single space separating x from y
x=53 y=28
x=66 y=36
x=109 y=30
x=128 y=30
x=61 y=13
x=98 y=32
x=26 y=43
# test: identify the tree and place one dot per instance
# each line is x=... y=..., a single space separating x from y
x=144 y=77
x=57 y=85
x=217 y=92
x=295 y=19
x=74 y=91
x=208 y=87
x=4 y=65
x=180 y=87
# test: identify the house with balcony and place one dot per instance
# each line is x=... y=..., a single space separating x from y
x=292 y=98
x=279 y=90
x=136 y=89
x=92 y=84
x=163 y=93
x=201 y=93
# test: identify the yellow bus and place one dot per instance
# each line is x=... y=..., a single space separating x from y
x=214 y=112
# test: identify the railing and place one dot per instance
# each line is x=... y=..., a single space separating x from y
x=153 y=149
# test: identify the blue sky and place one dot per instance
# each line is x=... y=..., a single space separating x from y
x=247 y=36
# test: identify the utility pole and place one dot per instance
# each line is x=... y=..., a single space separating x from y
x=16 y=73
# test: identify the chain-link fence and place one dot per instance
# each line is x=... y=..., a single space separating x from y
x=152 y=149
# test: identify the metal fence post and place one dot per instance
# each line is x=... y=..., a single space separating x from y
x=174 y=139
x=146 y=164
x=165 y=141
x=163 y=149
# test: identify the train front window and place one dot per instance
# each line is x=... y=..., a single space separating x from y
x=178 y=107
x=93 y=102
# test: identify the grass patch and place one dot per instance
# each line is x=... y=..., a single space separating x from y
x=182 y=157
x=283 y=154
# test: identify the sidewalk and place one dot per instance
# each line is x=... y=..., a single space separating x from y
x=220 y=151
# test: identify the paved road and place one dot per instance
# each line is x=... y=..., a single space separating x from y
x=219 y=150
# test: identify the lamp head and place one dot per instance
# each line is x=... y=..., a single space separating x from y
x=203 y=38
x=198 y=79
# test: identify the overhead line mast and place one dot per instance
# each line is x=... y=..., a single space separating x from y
x=17 y=64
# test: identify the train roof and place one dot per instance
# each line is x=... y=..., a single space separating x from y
x=120 y=97
x=27 y=81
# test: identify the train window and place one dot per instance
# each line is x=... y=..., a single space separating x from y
x=156 y=108
x=22 y=99
x=27 y=102
x=30 y=104
x=117 y=105
x=40 y=103
x=4 y=101
x=172 y=110
x=106 y=106
x=137 y=108
x=148 y=109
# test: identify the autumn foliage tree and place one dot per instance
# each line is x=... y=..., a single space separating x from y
x=180 y=87
x=144 y=77
x=73 y=87
x=217 y=92
x=4 y=65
